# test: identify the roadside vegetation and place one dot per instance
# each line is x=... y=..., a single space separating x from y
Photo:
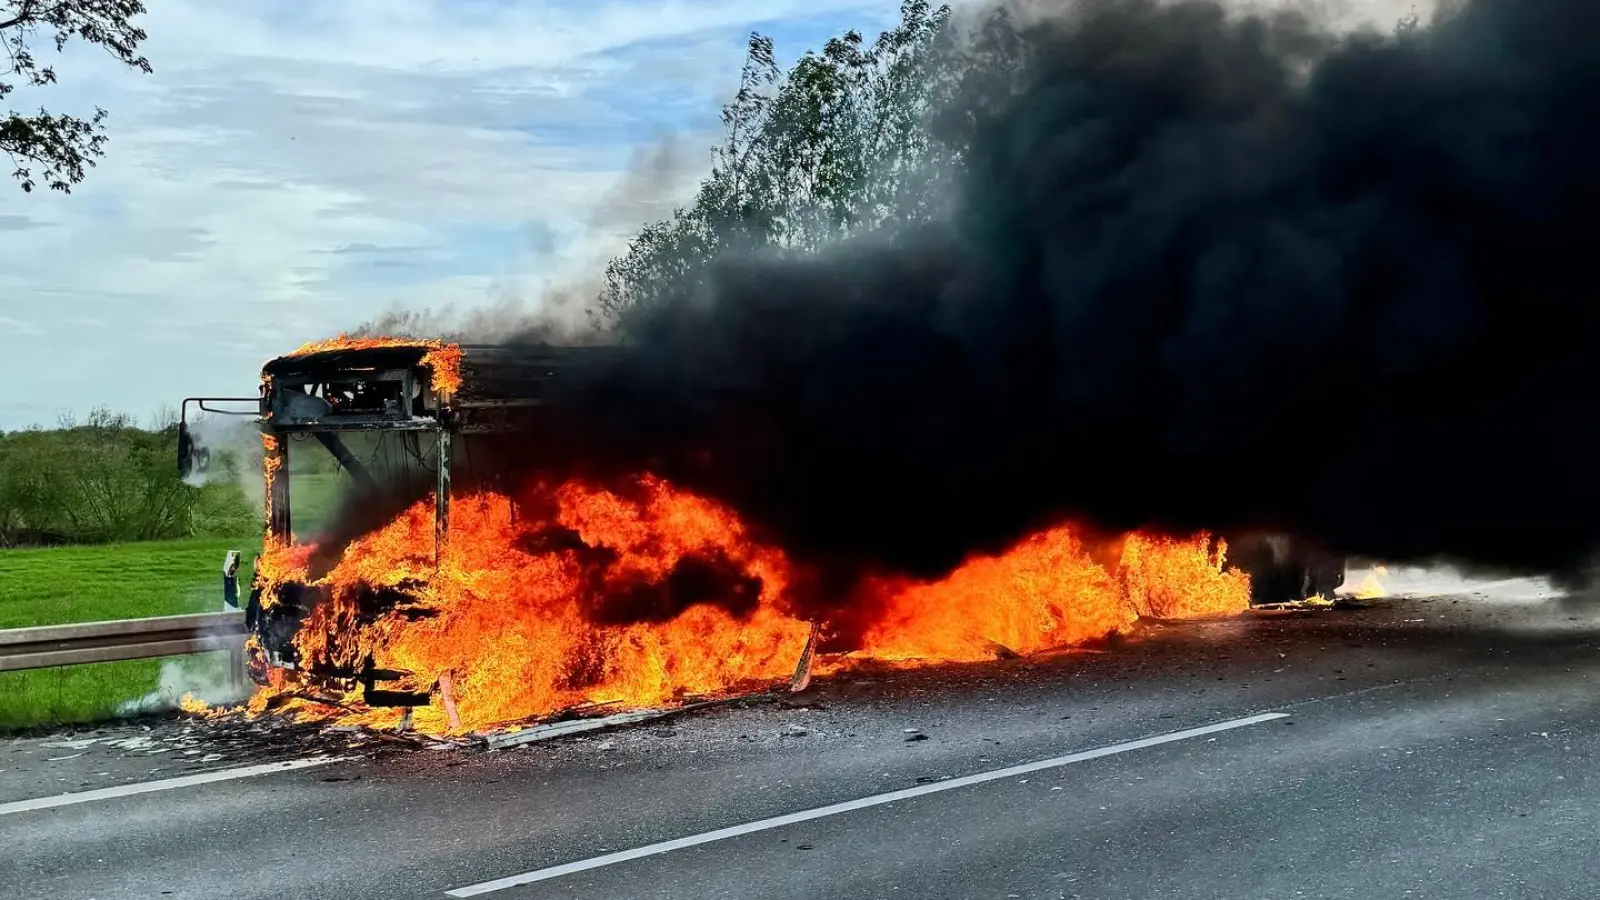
x=95 y=524
x=55 y=585
x=853 y=139
x=105 y=480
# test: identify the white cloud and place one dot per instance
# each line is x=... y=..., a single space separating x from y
x=292 y=169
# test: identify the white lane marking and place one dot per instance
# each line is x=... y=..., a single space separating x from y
x=610 y=859
x=146 y=787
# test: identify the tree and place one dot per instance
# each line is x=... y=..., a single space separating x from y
x=1408 y=24
x=859 y=137
x=102 y=479
x=49 y=148
x=838 y=145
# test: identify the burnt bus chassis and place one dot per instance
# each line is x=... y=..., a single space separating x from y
x=329 y=394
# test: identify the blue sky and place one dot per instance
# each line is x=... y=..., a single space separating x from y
x=293 y=169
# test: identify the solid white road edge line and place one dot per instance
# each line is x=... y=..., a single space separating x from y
x=147 y=787
x=611 y=859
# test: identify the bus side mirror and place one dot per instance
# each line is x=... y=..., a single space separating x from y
x=185 y=451
x=193 y=459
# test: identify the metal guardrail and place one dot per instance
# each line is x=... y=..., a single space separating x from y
x=92 y=642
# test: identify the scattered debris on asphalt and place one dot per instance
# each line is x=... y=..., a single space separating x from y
x=823 y=715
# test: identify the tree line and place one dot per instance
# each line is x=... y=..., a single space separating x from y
x=854 y=138
x=105 y=480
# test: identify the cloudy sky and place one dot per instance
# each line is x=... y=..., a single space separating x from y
x=293 y=169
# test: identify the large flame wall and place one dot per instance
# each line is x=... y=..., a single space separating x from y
x=525 y=625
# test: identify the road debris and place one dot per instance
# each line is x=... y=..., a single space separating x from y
x=83 y=744
x=808 y=656
x=447 y=694
x=504 y=739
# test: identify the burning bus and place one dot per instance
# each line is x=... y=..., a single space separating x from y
x=443 y=584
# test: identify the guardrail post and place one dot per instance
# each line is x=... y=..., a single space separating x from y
x=237 y=676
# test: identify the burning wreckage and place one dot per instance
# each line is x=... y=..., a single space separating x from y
x=478 y=601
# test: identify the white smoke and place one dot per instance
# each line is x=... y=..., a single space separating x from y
x=236 y=436
x=563 y=310
x=209 y=677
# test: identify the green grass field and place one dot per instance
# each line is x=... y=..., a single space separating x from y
x=119 y=581
x=86 y=584
x=127 y=581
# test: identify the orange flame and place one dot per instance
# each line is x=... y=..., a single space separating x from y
x=1372 y=586
x=517 y=622
x=1049 y=591
x=271 y=462
x=442 y=359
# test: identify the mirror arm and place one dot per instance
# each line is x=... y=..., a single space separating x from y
x=186 y=446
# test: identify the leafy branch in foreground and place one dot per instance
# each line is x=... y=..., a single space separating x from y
x=50 y=148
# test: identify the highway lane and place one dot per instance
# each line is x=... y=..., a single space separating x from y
x=1440 y=748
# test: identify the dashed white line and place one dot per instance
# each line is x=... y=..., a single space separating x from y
x=611 y=859
x=147 y=787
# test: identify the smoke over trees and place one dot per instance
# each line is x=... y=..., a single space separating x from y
x=854 y=139
x=1143 y=264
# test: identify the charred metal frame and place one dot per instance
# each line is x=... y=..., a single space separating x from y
x=382 y=389
x=275 y=458
x=324 y=395
x=331 y=394
x=441 y=503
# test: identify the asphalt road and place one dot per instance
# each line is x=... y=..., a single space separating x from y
x=1435 y=748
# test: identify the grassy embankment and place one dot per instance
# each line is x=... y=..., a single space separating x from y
x=120 y=581
x=88 y=584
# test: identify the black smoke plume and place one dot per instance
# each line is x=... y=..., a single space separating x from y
x=1208 y=271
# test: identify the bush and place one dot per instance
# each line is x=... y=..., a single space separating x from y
x=105 y=480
